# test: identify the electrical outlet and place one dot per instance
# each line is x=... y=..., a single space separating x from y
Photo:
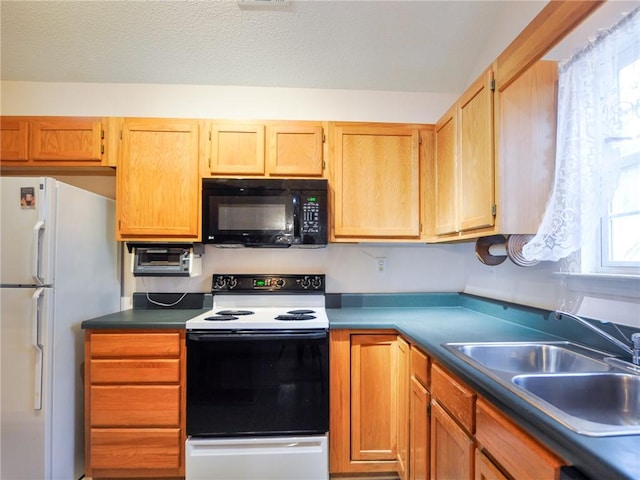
x=381 y=265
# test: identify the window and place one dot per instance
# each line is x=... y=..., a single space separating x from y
x=594 y=209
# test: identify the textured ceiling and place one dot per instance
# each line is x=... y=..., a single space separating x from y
x=413 y=46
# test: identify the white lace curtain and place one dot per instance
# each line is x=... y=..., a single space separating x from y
x=593 y=121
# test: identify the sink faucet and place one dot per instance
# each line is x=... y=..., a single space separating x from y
x=634 y=351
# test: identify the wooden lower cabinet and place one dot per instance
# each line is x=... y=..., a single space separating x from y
x=451 y=447
x=512 y=449
x=485 y=469
x=419 y=424
x=135 y=403
x=363 y=401
x=404 y=389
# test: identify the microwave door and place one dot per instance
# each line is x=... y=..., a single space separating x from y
x=252 y=220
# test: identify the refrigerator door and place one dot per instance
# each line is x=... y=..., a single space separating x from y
x=23 y=418
x=26 y=230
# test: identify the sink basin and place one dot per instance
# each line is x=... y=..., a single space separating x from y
x=539 y=357
x=594 y=403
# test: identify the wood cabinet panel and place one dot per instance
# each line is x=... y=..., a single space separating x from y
x=71 y=140
x=152 y=344
x=158 y=181
x=373 y=397
x=476 y=157
x=419 y=431
x=134 y=405
x=404 y=395
x=135 y=371
x=526 y=123
x=519 y=454
x=485 y=469
x=135 y=449
x=237 y=148
x=376 y=182
x=445 y=183
x=294 y=150
x=14 y=138
x=420 y=366
x=451 y=448
x=454 y=396
x=363 y=374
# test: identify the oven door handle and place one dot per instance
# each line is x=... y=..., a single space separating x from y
x=254 y=336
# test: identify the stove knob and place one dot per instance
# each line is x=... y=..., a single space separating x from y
x=305 y=282
x=232 y=282
x=220 y=283
x=280 y=282
x=316 y=282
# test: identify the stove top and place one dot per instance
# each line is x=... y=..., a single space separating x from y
x=264 y=302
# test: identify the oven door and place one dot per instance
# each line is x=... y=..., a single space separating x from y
x=257 y=383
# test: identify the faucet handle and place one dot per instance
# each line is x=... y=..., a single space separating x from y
x=635 y=339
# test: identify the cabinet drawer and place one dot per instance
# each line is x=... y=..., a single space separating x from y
x=165 y=344
x=456 y=398
x=515 y=451
x=129 y=405
x=420 y=366
x=135 y=448
x=135 y=371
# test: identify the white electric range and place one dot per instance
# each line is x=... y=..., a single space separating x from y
x=258 y=380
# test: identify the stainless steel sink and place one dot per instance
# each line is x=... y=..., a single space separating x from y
x=576 y=385
x=594 y=403
x=532 y=357
x=538 y=357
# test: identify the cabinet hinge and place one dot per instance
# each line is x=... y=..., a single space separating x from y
x=419 y=139
x=429 y=409
x=102 y=149
x=101 y=134
x=120 y=134
x=493 y=209
x=209 y=135
x=324 y=165
x=324 y=138
x=492 y=86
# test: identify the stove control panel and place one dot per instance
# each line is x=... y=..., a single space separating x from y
x=260 y=283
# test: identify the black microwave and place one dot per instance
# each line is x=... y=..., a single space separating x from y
x=264 y=212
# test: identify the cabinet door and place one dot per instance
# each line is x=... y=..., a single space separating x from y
x=374 y=362
x=419 y=431
x=294 y=150
x=78 y=140
x=476 y=159
x=14 y=135
x=237 y=149
x=376 y=182
x=445 y=195
x=451 y=448
x=486 y=470
x=158 y=182
x=404 y=385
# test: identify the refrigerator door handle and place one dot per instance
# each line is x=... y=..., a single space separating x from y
x=37 y=345
x=35 y=258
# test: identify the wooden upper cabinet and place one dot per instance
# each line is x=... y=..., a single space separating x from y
x=15 y=140
x=464 y=182
x=53 y=141
x=376 y=182
x=271 y=148
x=445 y=185
x=237 y=149
x=157 y=181
x=294 y=150
x=476 y=159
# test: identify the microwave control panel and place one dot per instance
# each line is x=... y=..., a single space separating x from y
x=310 y=216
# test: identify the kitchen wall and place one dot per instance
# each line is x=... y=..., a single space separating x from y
x=349 y=268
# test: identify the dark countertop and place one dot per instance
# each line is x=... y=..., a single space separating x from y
x=430 y=320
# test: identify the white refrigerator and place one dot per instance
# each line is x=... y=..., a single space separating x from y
x=60 y=265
